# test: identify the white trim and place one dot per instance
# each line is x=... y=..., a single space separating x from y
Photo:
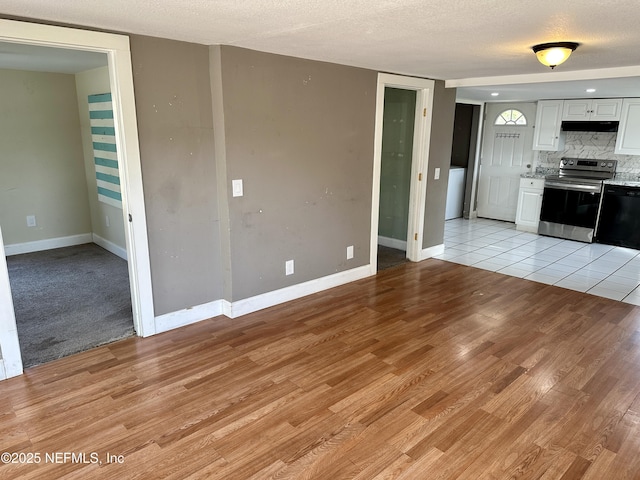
x=117 y=49
x=239 y=308
x=9 y=344
x=3 y=373
x=47 y=244
x=276 y=297
x=187 y=316
x=432 y=251
x=420 y=160
x=392 y=243
x=555 y=76
x=110 y=246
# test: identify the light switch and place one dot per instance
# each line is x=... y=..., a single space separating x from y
x=237 y=189
x=31 y=220
x=349 y=252
x=437 y=174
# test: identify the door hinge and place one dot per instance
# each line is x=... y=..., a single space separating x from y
x=419 y=177
x=130 y=218
x=424 y=112
x=415 y=237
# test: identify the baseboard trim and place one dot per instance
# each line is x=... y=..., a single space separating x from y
x=187 y=316
x=269 y=299
x=110 y=246
x=48 y=244
x=239 y=308
x=432 y=251
x=392 y=243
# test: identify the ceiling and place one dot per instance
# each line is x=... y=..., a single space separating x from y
x=478 y=47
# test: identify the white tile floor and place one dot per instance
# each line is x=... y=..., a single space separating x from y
x=603 y=270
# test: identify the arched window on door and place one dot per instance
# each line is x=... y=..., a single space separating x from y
x=511 y=117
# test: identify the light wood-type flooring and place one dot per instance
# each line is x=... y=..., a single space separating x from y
x=425 y=371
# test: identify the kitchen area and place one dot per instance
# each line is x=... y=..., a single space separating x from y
x=585 y=185
x=577 y=222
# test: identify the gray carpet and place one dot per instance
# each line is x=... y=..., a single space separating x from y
x=68 y=300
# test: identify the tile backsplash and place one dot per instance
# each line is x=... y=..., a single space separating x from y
x=591 y=145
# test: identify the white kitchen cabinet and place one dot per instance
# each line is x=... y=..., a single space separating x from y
x=547 y=134
x=607 y=109
x=529 y=204
x=628 y=139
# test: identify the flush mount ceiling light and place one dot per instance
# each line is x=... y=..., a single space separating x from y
x=555 y=53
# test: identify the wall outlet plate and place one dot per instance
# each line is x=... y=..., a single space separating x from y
x=349 y=252
x=31 y=220
x=237 y=188
x=288 y=267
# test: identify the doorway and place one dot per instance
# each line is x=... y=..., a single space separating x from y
x=507 y=152
x=403 y=123
x=116 y=47
x=395 y=175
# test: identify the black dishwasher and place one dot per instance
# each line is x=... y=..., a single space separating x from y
x=619 y=222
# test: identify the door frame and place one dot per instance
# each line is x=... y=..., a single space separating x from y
x=117 y=50
x=419 y=162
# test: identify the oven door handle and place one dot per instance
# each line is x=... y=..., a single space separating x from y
x=577 y=187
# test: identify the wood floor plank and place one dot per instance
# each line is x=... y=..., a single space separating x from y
x=430 y=370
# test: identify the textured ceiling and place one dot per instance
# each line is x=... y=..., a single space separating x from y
x=447 y=40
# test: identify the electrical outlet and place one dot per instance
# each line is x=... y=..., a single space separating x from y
x=107 y=221
x=437 y=174
x=288 y=267
x=349 y=252
x=31 y=220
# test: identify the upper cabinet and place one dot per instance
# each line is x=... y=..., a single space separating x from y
x=547 y=134
x=592 y=109
x=628 y=139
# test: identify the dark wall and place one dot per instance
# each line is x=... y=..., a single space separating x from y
x=462 y=127
x=175 y=126
x=444 y=103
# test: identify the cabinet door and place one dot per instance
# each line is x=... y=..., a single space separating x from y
x=547 y=135
x=606 y=109
x=576 y=110
x=528 y=214
x=628 y=139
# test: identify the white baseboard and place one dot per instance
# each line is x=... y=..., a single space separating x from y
x=431 y=251
x=48 y=244
x=110 y=246
x=392 y=243
x=172 y=320
x=236 y=309
x=269 y=299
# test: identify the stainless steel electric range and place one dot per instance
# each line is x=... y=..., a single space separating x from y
x=571 y=199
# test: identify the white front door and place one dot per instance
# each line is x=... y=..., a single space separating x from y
x=506 y=153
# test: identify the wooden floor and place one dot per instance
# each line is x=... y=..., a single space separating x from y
x=426 y=371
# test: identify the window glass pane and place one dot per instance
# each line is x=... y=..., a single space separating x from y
x=511 y=117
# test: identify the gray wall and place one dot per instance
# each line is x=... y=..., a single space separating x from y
x=173 y=105
x=41 y=162
x=444 y=105
x=300 y=135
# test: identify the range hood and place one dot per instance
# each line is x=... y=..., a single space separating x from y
x=598 y=126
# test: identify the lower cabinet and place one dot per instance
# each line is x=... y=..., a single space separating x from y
x=529 y=204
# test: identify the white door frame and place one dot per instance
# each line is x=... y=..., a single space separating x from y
x=419 y=162
x=116 y=47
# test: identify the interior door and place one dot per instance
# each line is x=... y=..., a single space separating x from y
x=506 y=154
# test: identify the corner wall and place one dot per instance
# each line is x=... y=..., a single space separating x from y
x=175 y=127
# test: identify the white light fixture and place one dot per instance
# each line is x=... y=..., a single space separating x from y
x=495 y=94
x=555 y=53
x=590 y=90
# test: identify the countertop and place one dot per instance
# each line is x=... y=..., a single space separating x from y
x=532 y=175
x=626 y=183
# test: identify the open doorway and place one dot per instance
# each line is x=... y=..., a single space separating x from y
x=395 y=175
x=403 y=123
x=69 y=293
x=116 y=48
